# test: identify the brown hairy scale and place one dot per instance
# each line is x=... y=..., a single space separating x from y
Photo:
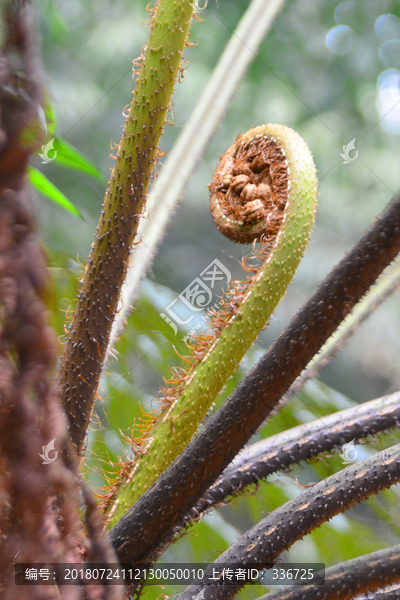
x=249 y=191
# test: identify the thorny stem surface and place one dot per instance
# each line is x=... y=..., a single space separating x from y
x=264 y=542
x=303 y=442
x=345 y=580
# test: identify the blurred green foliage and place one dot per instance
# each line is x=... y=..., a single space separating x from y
x=330 y=70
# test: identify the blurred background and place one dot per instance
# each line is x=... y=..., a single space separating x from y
x=329 y=70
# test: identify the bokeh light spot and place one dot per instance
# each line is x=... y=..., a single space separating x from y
x=390 y=53
x=388 y=27
x=340 y=39
x=345 y=13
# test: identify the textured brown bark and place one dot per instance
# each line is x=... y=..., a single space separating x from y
x=39 y=503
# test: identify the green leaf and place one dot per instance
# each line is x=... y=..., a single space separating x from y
x=68 y=156
x=55 y=22
x=50 y=113
x=45 y=187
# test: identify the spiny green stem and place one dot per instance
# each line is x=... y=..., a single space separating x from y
x=82 y=362
x=285 y=180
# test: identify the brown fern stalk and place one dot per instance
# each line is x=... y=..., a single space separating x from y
x=283 y=450
x=87 y=342
x=150 y=521
x=391 y=593
x=264 y=542
x=348 y=579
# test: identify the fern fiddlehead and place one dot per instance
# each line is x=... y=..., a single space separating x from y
x=265 y=189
